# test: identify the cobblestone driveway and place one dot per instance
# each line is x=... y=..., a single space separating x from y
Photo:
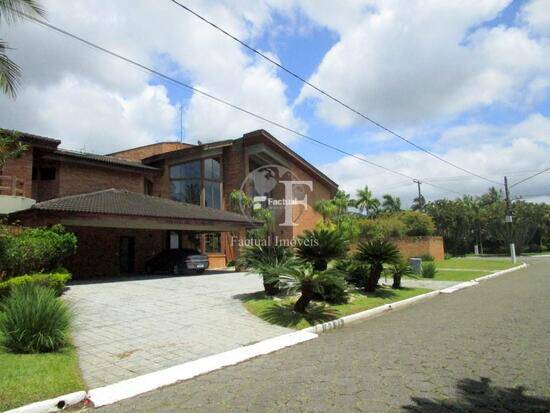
x=468 y=352
x=135 y=326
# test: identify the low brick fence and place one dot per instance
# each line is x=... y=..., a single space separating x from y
x=417 y=246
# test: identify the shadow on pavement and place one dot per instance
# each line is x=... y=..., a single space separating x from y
x=143 y=277
x=480 y=396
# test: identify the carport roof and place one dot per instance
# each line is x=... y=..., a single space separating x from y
x=121 y=202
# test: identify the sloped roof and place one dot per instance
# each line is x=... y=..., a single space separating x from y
x=121 y=202
x=105 y=159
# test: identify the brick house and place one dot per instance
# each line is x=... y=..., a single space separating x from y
x=127 y=206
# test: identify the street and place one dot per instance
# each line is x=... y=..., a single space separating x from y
x=486 y=348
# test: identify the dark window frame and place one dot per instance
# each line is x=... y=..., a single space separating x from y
x=203 y=179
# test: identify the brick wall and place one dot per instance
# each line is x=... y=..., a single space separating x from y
x=137 y=154
x=98 y=250
x=22 y=169
x=77 y=179
x=417 y=246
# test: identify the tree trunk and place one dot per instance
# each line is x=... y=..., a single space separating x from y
x=271 y=288
x=372 y=281
x=396 y=282
x=307 y=295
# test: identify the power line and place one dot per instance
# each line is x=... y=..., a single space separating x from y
x=222 y=101
x=530 y=177
x=329 y=95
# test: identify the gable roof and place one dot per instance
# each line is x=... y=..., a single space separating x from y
x=103 y=159
x=121 y=202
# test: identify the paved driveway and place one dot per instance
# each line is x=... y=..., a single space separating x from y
x=128 y=327
x=483 y=349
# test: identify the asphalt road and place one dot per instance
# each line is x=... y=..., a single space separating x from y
x=484 y=349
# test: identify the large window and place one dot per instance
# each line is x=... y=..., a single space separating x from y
x=197 y=182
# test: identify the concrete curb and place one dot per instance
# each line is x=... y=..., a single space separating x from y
x=52 y=405
x=129 y=388
x=364 y=315
x=496 y=274
x=113 y=393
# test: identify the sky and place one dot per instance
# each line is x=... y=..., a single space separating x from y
x=469 y=80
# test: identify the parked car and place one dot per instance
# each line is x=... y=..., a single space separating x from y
x=177 y=261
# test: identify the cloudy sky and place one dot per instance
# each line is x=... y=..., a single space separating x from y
x=468 y=79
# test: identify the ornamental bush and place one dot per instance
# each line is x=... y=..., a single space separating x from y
x=56 y=281
x=34 y=320
x=35 y=250
x=429 y=270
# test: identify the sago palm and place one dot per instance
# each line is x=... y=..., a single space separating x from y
x=376 y=253
x=268 y=261
x=320 y=246
x=308 y=282
x=10 y=73
x=398 y=271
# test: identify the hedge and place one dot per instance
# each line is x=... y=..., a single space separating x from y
x=55 y=280
x=35 y=250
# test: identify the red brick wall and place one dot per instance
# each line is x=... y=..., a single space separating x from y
x=77 y=179
x=98 y=250
x=417 y=246
x=22 y=169
x=137 y=154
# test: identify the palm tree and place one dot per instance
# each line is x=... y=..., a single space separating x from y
x=398 y=271
x=10 y=73
x=376 y=253
x=390 y=204
x=268 y=261
x=418 y=203
x=327 y=209
x=366 y=202
x=308 y=282
x=320 y=246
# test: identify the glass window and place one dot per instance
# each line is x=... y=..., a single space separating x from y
x=212 y=195
x=212 y=242
x=188 y=190
x=186 y=170
x=211 y=169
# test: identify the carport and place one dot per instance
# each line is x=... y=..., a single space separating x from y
x=118 y=230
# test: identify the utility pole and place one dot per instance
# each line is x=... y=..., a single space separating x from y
x=420 y=198
x=508 y=220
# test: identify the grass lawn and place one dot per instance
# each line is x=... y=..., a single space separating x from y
x=476 y=264
x=26 y=378
x=466 y=269
x=279 y=311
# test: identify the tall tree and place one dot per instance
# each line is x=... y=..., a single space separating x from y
x=10 y=73
x=366 y=202
x=391 y=204
x=419 y=203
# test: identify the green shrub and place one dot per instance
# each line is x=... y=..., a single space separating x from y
x=429 y=270
x=448 y=255
x=427 y=257
x=417 y=223
x=55 y=281
x=35 y=250
x=34 y=320
x=332 y=291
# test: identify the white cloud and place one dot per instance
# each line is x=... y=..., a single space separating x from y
x=522 y=151
x=91 y=117
x=109 y=95
x=410 y=62
x=537 y=15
